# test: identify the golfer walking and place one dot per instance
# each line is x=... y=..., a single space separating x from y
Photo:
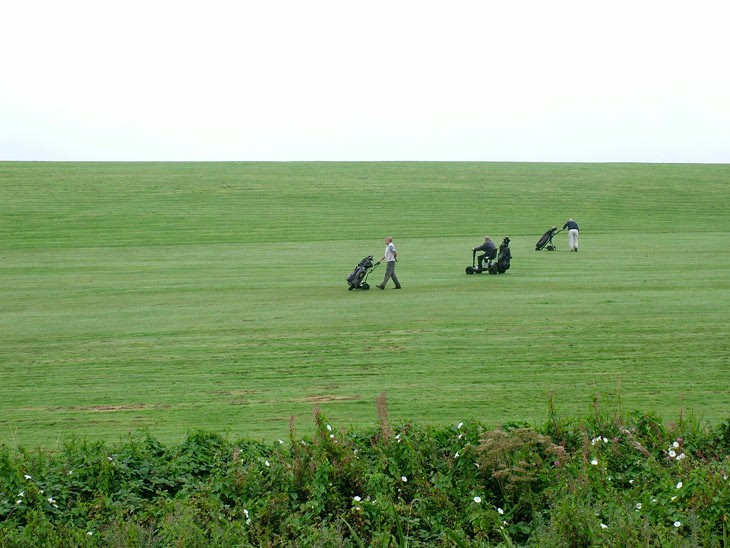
x=391 y=256
x=572 y=227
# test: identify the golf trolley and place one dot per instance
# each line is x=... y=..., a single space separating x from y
x=500 y=266
x=546 y=240
x=357 y=278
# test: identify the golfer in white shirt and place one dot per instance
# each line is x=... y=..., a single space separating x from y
x=390 y=257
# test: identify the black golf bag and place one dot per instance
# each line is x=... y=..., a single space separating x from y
x=356 y=279
x=501 y=265
x=546 y=240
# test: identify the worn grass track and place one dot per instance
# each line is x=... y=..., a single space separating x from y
x=177 y=296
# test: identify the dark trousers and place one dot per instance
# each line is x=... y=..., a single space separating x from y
x=390 y=273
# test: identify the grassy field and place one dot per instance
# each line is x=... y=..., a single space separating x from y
x=183 y=296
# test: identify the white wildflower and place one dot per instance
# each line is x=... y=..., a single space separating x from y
x=605 y=440
x=27 y=476
x=404 y=479
x=604 y=526
x=679 y=485
x=675 y=444
x=356 y=498
x=281 y=442
x=267 y=463
x=594 y=462
x=459 y=425
x=681 y=456
x=456 y=456
x=672 y=453
x=677 y=524
x=90 y=533
x=500 y=511
x=673 y=499
x=477 y=499
x=50 y=499
x=638 y=506
x=329 y=428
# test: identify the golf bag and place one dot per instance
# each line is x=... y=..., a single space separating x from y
x=356 y=279
x=546 y=240
x=501 y=265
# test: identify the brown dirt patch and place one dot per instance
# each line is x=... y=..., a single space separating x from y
x=110 y=408
x=325 y=397
x=316 y=398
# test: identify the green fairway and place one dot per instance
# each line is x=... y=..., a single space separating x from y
x=183 y=296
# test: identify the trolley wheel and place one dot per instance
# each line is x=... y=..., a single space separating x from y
x=365 y=286
x=470 y=270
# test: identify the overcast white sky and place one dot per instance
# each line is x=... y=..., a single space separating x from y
x=370 y=80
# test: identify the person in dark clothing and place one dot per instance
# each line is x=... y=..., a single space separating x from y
x=489 y=249
x=572 y=227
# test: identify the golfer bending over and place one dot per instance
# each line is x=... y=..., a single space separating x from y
x=391 y=255
x=572 y=227
x=488 y=247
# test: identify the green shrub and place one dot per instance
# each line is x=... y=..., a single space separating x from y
x=608 y=480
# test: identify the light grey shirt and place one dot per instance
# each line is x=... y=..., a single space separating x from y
x=390 y=253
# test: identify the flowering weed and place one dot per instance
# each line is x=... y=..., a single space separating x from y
x=394 y=484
